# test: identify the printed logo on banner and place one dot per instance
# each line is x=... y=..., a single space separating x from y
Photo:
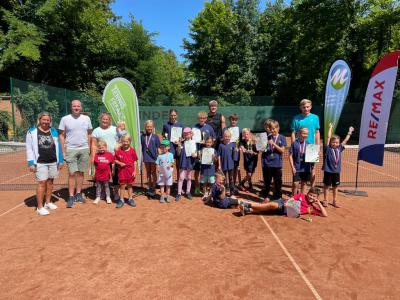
x=339 y=77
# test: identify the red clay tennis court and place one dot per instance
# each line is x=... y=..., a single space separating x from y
x=187 y=250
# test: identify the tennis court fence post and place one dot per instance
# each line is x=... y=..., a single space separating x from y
x=12 y=107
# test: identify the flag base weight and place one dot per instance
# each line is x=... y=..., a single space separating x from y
x=354 y=193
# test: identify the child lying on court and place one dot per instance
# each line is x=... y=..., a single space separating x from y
x=307 y=202
x=218 y=194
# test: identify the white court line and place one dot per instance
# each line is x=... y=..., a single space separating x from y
x=296 y=266
x=11 y=209
x=369 y=169
x=16 y=178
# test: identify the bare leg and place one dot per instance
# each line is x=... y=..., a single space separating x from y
x=326 y=190
x=122 y=191
x=167 y=190
x=334 y=190
x=153 y=175
x=197 y=179
x=148 y=174
x=79 y=182
x=40 y=190
x=312 y=181
x=130 y=191
x=303 y=186
x=162 y=190
x=295 y=187
x=49 y=189
x=258 y=207
x=71 y=184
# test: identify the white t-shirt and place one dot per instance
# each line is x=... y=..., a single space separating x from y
x=108 y=135
x=76 y=131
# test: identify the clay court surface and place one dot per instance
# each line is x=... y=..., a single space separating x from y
x=187 y=250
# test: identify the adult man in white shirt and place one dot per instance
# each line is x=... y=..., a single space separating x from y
x=75 y=130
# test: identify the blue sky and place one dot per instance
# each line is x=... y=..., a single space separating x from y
x=169 y=18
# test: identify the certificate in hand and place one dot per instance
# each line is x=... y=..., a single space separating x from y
x=312 y=153
x=196 y=135
x=261 y=141
x=190 y=148
x=176 y=134
x=207 y=156
x=234 y=134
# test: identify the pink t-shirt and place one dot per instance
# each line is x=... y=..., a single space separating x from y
x=102 y=163
x=304 y=205
x=128 y=157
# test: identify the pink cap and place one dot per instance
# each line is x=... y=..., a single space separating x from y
x=187 y=130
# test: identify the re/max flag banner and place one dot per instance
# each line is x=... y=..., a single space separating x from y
x=376 y=110
x=337 y=88
x=120 y=99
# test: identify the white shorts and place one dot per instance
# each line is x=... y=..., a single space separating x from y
x=46 y=171
x=162 y=180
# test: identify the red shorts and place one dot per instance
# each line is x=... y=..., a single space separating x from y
x=127 y=181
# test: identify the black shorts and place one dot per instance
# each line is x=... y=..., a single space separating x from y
x=331 y=179
x=197 y=165
x=302 y=176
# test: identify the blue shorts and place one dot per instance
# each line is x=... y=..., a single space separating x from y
x=207 y=179
x=281 y=206
x=226 y=203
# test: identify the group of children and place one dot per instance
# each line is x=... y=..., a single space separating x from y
x=213 y=162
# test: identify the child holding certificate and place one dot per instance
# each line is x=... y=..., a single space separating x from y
x=207 y=169
x=300 y=168
x=332 y=163
x=272 y=160
x=165 y=162
x=226 y=163
x=150 y=143
x=172 y=131
x=250 y=157
x=236 y=137
x=187 y=153
x=201 y=131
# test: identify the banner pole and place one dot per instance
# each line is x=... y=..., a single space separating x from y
x=355 y=192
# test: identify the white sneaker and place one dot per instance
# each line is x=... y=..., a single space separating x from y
x=42 y=211
x=50 y=205
x=96 y=201
x=108 y=199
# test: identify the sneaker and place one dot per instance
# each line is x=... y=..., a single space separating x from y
x=50 y=205
x=108 y=199
x=168 y=199
x=245 y=208
x=70 y=201
x=151 y=193
x=120 y=203
x=189 y=196
x=162 y=198
x=42 y=211
x=178 y=197
x=96 y=201
x=131 y=202
x=79 y=198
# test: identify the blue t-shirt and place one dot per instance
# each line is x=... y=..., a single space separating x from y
x=226 y=151
x=311 y=122
x=299 y=154
x=208 y=131
x=150 y=144
x=167 y=130
x=333 y=159
x=208 y=170
x=236 y=154
x=217 y=201
x=271 y=157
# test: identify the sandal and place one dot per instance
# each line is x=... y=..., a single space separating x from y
x=324 y=203
x=335 y=205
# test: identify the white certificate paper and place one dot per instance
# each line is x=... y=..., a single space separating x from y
x=261 y=141
x=190 y=148
x=207 y=156
x=234 y=134
x=176 y=134
x=312 y=153
x=196 y=135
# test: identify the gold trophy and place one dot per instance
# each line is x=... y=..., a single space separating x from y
x=309 y=211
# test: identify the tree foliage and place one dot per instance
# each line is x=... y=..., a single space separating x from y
x=82 y=45
x=286 y=50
